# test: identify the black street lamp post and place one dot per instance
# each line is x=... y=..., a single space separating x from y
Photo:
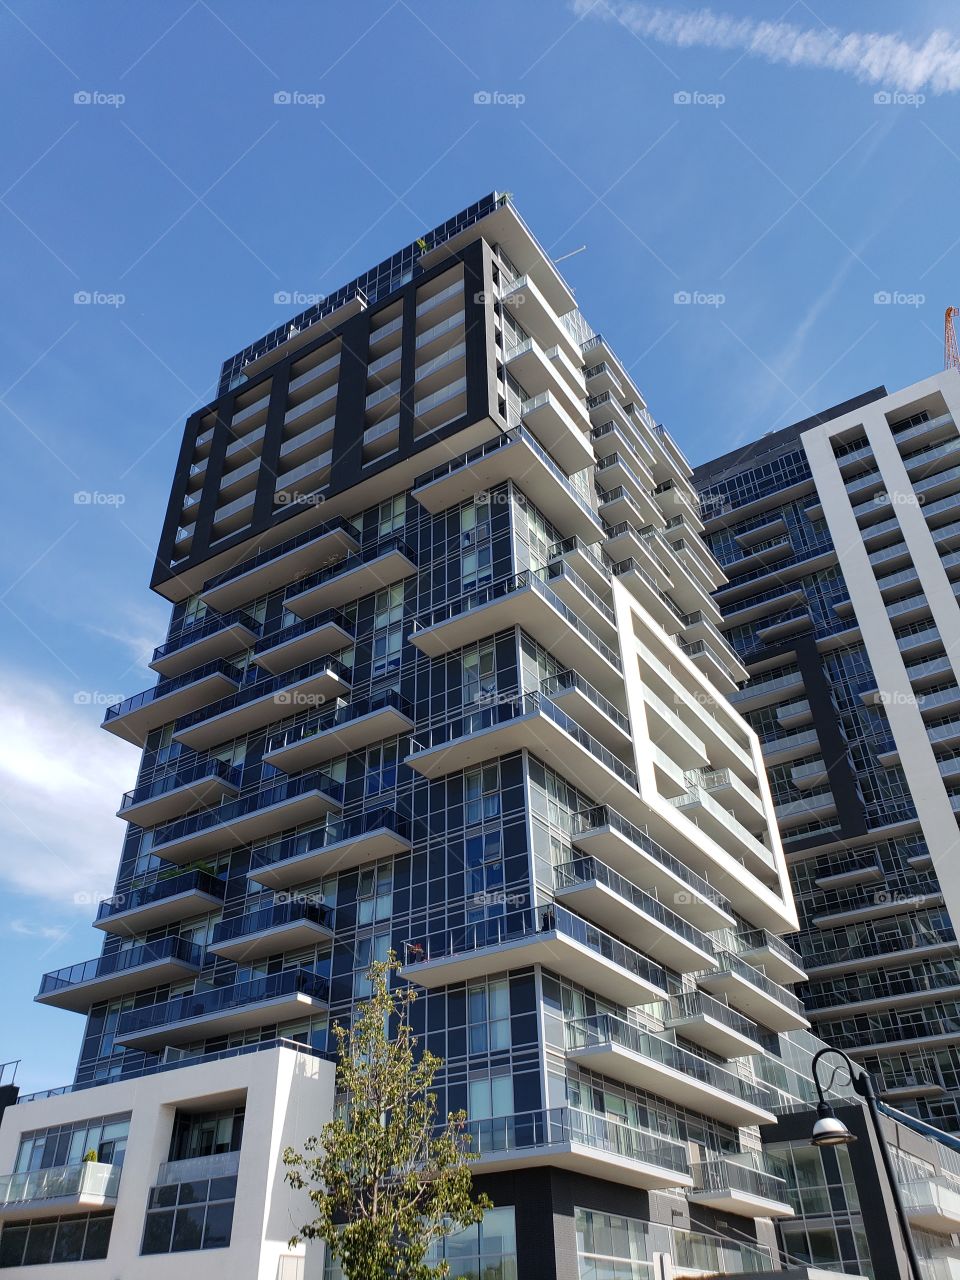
x=831 y=1132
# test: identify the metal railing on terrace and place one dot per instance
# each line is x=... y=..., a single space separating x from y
x=254 y=687
x=281 y=549
x=173 y=948
x=209 y=625
x=219 y=666
x=167 y=782
x=331 y=833
x=197 y=1004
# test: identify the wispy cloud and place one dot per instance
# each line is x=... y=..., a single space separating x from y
x=889 y=60
x=61 y=779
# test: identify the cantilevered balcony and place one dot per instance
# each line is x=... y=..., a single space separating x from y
x=530 y=722
x=303 y=642
x=261 y=701
x=552 y=937
x=741 y=1189
x=577 y=594
x=356 y=576
x=777 y=958
x=63 y=1189
x=616 y=841
x=286 y=562
x=602 y=895
x=217 y=635
x=789 y=746
x=205 y=782
x=702 y=1020
x=550 y=417
x=133 y=911
x=926 y=943
x=526 y=601
x=282 y=926
x=152 y=964
x=732 y=793
x=136 y=717
x=523 y=299
x=216 y=1011
x=588 y=562
x=338 y=846
x=754 y=994
x=582 y=1142
x=589 y=708
x=656 y=602
x=515 y=455
x=619 y=1050
x=338 y=730
x=933 y=1204
x=720 y=824
x=275 y=808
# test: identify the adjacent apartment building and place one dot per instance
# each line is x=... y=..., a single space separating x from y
x=443 y=676
x=840 y=538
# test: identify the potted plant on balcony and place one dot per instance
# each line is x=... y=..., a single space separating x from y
x=90 y=1157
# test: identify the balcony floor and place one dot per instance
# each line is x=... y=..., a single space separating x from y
x=342 y=739
x=237 y=721
x=343 y=855
x=79 y=996
x=283 y=568
x=353 y=584
x=742 y=1203
x=258 y=1014
x=136 y=725
x=180 y=906
x=583 y=1159
x=751 y=1001
x=202 y=793
x=293 y=935
x=325 y=639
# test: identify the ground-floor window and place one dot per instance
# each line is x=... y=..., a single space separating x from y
x=78 y=1238
x=189 y=1215
x=612 y=1247
x=487 y=1251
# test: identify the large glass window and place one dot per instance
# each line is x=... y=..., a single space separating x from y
x=186 y=1216
x=74 y=1239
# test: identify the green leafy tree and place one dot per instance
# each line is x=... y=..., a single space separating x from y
x=386 y=1179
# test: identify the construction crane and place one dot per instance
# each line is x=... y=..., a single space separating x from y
x=951 y=355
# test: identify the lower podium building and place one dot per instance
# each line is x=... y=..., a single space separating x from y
x=443 y=676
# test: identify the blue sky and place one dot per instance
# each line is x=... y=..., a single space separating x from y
x=749 y=166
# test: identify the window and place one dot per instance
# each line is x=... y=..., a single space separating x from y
x=391 y=515
x=386 y=650
x=488 y=1015
x=476 y=567
x=368 y=950
x=193 y=611
x=381 y=768
x=483 y=876
x=479 y=674
x=491 y=1096
x=186 y=1216
x=375 y=894
x=481 y=789
x=74 y=1239
x=68 y=1144
x=475 y=522
x=206 y=1133
x=388 y=606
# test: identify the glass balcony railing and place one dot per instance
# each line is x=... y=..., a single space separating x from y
x=199 y=771
x=281 y=549
x=336 y=716
x=121 y=962
x=63 y=1182
x=763 y=939
x=200 y=1004
x=603 y=816
x=272 y=917
x=262 y=688
x=697 y=1004
x=148 y=894
x=882 y=988
x=729 y=962
x=565 y=1125
x=338 y=832
x=329 y=617
x=582 y=870
x=605 y=1029
x=211 y=624
x=349 y=563
x=517 y=926
x=170 y=685
x=566 y=681
x=727 y=1175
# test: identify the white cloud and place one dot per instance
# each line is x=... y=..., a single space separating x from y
x=61 y=779
x=888 y=60
x=136 y=629
x=28 y=930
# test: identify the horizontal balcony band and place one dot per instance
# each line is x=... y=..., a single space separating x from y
x=883 y=992
x=526 y=601
x=531 y=722
x=754 y=994
x=338 y=730
x=134 y=911
x=729 y=1187
x=524 y=300
x=732 y=794
x=170 y=699
x=552 y=937
x=719 y=823
x=933 y=1204
x=303 y=642
x=581 y=1142
x=271 y=568
x=217 y=635
x=206 y=782
x=550 y=418
x=588 y=561
x=285 y=805
x=778 y=959
x=579 y=597
x=600 y=894
x=340 y=845
x=284 y=926
x=631 y=851
x=152 y=964
x=264 y=701
x=266 y=1001
x=352 y=578
x=65 y=1189
x=619 y=1050
x=589 y=709
x=712 y=1024
x=515 y=455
